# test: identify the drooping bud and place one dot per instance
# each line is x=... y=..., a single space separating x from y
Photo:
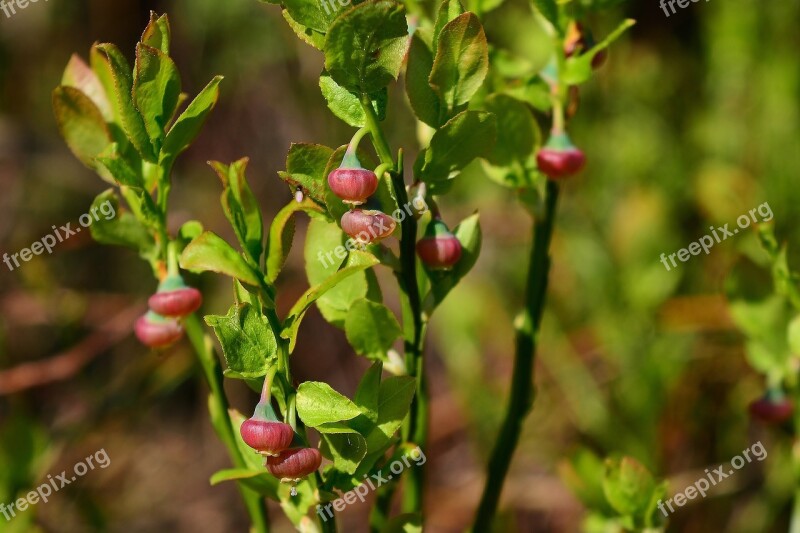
x=293 y=465
x=438 y=248
x=267 y=437
x=174 y=298
x=367 y=226
x=157 y=331
x=559 y=158
x=772 y=408
x=353 y=185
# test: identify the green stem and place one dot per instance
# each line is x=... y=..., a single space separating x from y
x=416 y=425
x=352 y=148
x=378 y=139
x=522 y=385
x=416 y=428
x=220 y=418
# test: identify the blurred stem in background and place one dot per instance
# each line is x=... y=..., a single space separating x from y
x=522 y=386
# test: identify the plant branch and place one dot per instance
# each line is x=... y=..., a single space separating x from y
x=416 y=426
x=522 y=386
x=220 y=418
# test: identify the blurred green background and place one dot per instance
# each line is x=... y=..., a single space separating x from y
x=693 y=121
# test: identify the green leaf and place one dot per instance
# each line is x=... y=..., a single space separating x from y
x=318 y=404
x=119 y=169
x=367 y=396
x=156 y=90
x=132 y=121
x=517 y=132
x=305 y=167
x=461 y=62
x=579 y=69
x=241 y=207
x=347 y=105
x=82 y=126
x=157 y=33
x=248 y=342
x=364 y=47
x=143 y=208
x=345 y=446
x=794 y=335
x=628 y=486
x=356 y=262
x=324 y=253
x=308 y=35
x=260 y=481
x=209 y=252
x=424 y=100
x=468 y=135
x=316 y=15
x=185 y=129
x=371 y=328
x=101 y=67
x=442 y=282
x=396 y=393
x=448 y=11
x=77 y=74
x=549 y=11
x=122 y=229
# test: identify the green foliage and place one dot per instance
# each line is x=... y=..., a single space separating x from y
x=468 y=135
x=188 y=124
x=209 y=252
x=124 y=229
x=460 y=63
x=241 y=207
x=347 y=105
x=248 y=342
x=371 y=328
x=305 y=167
x=364 y=47
x=620 y=492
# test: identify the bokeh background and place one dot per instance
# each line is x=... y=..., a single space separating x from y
x=693 y=121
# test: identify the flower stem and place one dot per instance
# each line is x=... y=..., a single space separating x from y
x=220 y=418
x=374 y=127
x=416 y=426
x=522 y=385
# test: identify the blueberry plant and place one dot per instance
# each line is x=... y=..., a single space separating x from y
x=367 y=209
x=768 y=315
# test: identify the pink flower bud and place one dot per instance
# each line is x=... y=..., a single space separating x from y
x=267 y=437
x=353 y=185
x=295 y=464
x=156 y=331
x=367 y=226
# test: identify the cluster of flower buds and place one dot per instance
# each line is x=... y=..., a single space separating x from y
x=438 y=248
x=354 y=184
x=275 y=441
x=772 y=408
x=160 y=327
